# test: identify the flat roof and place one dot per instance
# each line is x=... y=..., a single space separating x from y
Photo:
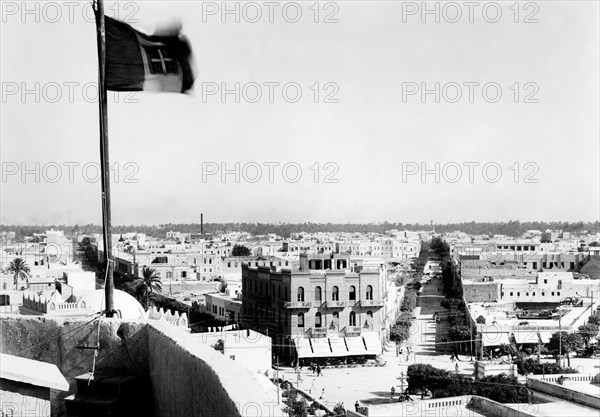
x=32 y=372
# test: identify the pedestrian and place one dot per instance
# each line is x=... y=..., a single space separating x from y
x=392 y=392
x=322 y=397
x=452 y=357
x=456 y=367
x=356 y=406
x=318 y=370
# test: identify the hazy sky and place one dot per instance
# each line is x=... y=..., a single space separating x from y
x=162 y=143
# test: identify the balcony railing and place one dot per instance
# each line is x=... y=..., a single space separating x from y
x=335 y=304
x=371 y=303
x=353 y=331
x=298 y=304
x=319 y=332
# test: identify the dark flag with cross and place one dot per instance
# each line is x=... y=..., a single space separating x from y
x=136 y=62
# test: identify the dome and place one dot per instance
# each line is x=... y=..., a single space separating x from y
x=130 y=307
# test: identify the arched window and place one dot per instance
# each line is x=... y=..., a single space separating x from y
x=335 y=293
x=369 y=320
x=336 y=319
x=369 y=292
x=300 y=293
x=318 y=320
x=352 y=293
x=318 y=293
x=352 y=319
x=300 y=319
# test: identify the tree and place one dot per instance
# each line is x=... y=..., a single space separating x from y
x=20 y=269
x=148 y=284
x=565 y=343
x=295 y=405
x=240 y=250
x=588 y=332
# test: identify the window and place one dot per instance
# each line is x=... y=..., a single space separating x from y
x=369 y=321
x=169 y=274
x=300 y=319
x=318 y=320
x=543 y=293
x=511 y=294
x=300 y=294
x=183 y=274
x=352 y=319
x=558 y=293
x=533 y=294
x=552 y=292
x=318 y=293
x=352 y=293
x=518 y=294
x=545 y=281
x=369 y=292
x=336 y=319
x=335 y=294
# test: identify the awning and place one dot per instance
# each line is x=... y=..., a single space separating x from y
x=526 y=336
x=320 y=348
x=372 y=342
x=303 y=348
x=355 y=345
x=545 y=337
x=338 y=346
x=495 y=339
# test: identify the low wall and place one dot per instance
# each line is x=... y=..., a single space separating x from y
x=190 y=379
x=564 y=392
x=464 y=405
x=487 y=406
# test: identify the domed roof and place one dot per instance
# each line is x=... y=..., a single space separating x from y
x=129 y=307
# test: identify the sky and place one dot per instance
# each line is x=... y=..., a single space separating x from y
x=514 y=134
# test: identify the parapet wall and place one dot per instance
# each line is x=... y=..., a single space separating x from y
x=191 y=379
x=564 y=392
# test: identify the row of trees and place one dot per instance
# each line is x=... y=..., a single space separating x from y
x=442 y=383
x=510 y=228
x=400 y=331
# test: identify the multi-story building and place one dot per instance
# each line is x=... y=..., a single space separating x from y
x=326 y=308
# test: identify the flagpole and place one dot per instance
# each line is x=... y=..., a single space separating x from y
x=104 y=157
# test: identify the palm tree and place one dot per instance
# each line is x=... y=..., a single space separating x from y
x=21 y=270
x=147 y=284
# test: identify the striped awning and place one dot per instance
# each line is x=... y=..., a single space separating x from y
x=320 y=348
x=338 y=346
x=372 y=343
x=303 y=348
x=356 y=345
x=527 y=337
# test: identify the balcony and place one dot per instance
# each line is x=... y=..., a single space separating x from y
x=371 y=303
x=318 y=332
x=353 y=331
x=297 y=304
x=335 y=304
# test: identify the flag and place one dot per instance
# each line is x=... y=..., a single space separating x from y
x=137 y=62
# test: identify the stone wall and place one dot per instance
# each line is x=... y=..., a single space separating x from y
x=56 y=340
x=563 y=392
x=191 y=379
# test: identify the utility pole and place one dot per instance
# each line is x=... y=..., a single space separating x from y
x=560 y=338
x=277 y=378
x=104 y=157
